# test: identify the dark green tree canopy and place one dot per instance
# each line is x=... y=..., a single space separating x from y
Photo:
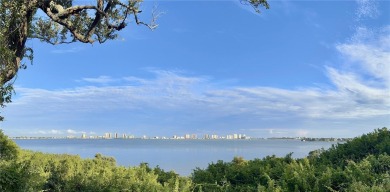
x=59 y=22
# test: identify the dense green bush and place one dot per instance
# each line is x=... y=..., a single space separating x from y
x=8 y=149
x=362 y=164
x=375 y=143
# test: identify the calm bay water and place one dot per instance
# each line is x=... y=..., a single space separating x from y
x=182 y=156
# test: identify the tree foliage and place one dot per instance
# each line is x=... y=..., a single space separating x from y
x=377 y=142
x=62 y=21
x=362 y=164
x=35 y=171
x=8 y=148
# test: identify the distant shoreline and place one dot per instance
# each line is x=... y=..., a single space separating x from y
x=140 y=138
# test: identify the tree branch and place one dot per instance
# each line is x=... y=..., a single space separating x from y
x=66 y=23
x=47 y=40
x=85 y=33
x=98 y=17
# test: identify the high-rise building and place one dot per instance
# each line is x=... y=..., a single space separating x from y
x=83 y=136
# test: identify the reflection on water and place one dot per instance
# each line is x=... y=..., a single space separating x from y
x=182 y=156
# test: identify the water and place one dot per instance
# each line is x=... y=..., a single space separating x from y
x=182 y=156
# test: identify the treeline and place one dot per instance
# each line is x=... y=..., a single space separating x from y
x=362 y=164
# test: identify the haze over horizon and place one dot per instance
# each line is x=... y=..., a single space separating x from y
x=301 y=68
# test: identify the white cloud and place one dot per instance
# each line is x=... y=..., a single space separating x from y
x=73 y=132
x=361 y=91
x=357 y=94
x=373 y=59
x=277 y=132
x=302 y=133
x=49 y=132
x=101 y=80
x=367 y=9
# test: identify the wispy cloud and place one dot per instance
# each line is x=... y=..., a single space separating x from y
x=361 y=90
x=73 y=132
x=370 y=55
x=367 y=9
x=100 y=80
x=48 y=132
x=56 y=132
x=69 y=50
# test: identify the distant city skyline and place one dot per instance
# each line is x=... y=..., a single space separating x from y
x=235 y=136
x=115 y=135
x=298 y=69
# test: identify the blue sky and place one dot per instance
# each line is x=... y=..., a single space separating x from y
x=301 y=68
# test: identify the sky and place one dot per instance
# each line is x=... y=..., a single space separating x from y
x=300 y=68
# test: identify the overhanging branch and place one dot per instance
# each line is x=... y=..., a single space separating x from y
x=104 y=23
